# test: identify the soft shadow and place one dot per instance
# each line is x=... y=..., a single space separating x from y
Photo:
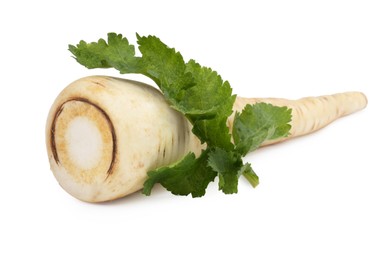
x=134 y=198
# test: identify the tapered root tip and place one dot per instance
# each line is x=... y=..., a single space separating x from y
x=363 y=98
x=351 y=102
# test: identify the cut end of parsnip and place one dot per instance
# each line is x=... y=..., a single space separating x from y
x=83 y=140
x=104 y=134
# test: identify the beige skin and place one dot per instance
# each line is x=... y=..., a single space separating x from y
x=310 y=114
x=104 y=134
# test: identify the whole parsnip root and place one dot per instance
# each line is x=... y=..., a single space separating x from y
x=104 y=134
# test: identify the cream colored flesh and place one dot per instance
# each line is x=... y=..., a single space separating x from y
x=104 y=134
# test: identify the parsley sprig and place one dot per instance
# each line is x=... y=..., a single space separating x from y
x=206 y=100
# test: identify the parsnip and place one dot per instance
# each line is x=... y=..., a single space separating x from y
x=104 y=134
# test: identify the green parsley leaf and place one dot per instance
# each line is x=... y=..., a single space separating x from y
x=188 y=176
x=166 y=67
x=258 y=123
x=198 y=92
x=115 y=53
x=210 y=95
x=227 y=164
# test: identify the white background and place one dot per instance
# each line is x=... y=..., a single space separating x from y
x=324 y=196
